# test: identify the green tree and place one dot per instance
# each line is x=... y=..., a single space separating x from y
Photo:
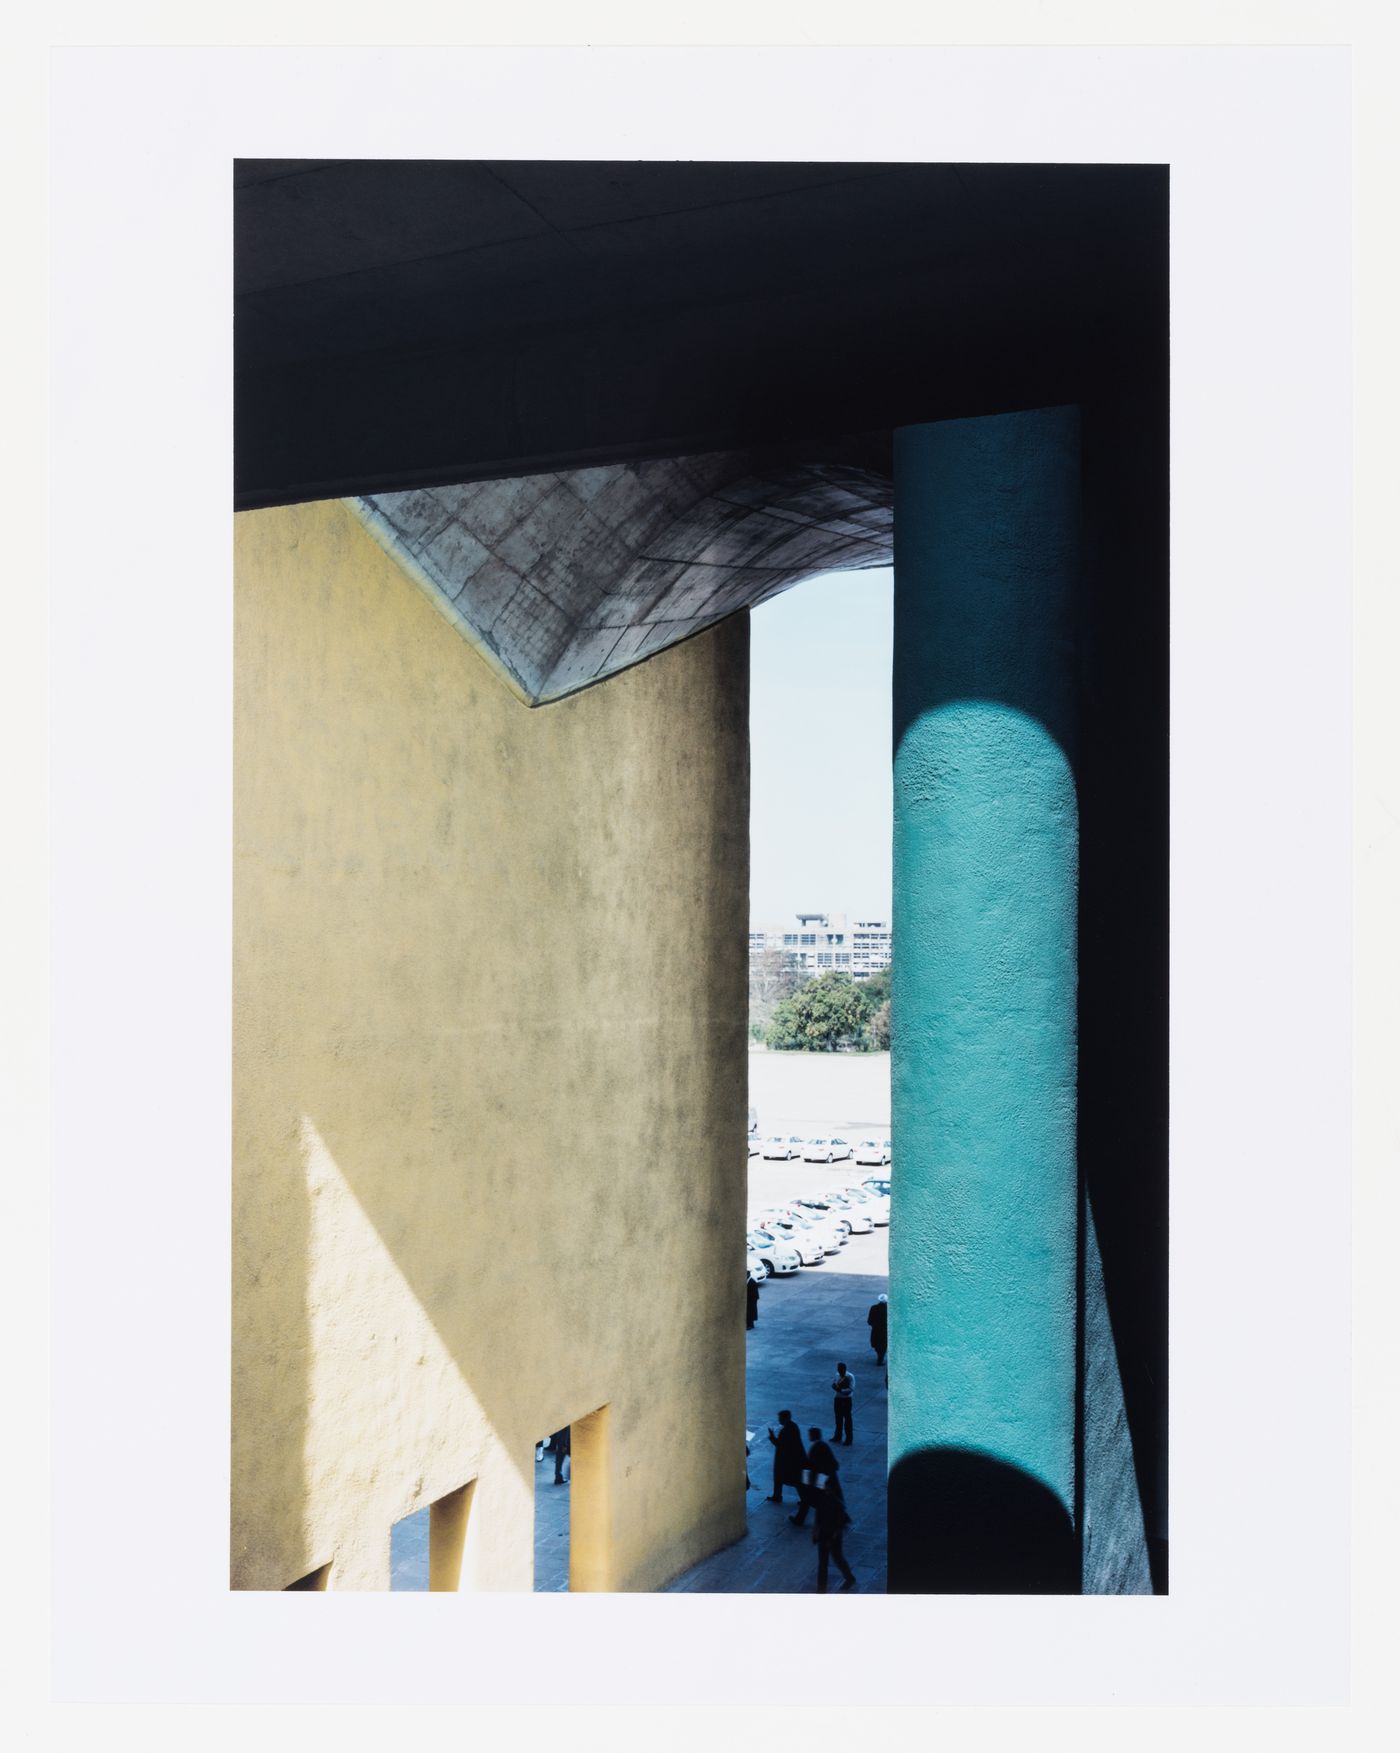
x=876 y=988
x=875 y=993
x=773 y=976
x=827 y=1012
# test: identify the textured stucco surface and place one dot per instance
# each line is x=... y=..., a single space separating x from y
x=562 y=579
x=983 y=1260
x=488 y=1071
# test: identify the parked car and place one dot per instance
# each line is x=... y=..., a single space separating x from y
x=877 y=1184
x=877 y=1204
x=757 y=1267
x=754 y=1145
x=818 y=1205
x=786 y=1148
x=811 y=1248
x=854 y=1212
x=833 y=1235
x=840 y=1149
x=779 y=1256
x=886 y=1143
x=818 y=1150
x=870 y=1150
x=828 y=1232
x=840 y=1224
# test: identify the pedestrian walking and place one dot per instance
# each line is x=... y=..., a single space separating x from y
x=560 y=1445
x=821 y=1459
x=844 y=1388
x=832 y=1522
x=789 y=1457
x=752 y=1295
x=878 y=1321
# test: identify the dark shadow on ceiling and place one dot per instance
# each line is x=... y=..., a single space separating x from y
x=401 y=324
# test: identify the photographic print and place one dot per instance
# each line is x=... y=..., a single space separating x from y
x=700 y=884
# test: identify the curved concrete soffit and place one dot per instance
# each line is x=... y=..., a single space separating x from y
x=562 y=580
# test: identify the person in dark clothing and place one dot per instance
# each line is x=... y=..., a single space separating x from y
x=832 y=1522
x=878 y=1321
x=752 y=1295
x=844 y=1388
x=559 y=1443
x=789 y=1457
x=820 y=1459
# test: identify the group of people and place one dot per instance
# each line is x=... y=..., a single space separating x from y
x=814 y=1473
x=811 y=1469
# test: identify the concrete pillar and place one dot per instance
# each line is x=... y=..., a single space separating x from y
x=447 y=1539
x=592 y=1553
x=985 y=1228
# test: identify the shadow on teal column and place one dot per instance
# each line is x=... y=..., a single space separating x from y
x=984 y=1264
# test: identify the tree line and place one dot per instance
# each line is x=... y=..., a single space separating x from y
x=794 y=1012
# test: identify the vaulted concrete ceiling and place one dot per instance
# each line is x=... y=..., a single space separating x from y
x=563 y=579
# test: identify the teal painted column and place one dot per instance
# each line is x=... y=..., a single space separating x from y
x=984 y=1232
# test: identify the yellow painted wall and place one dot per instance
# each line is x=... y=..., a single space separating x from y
x=489 y=1091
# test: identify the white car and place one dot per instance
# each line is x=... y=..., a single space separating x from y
x=786 y=1148
x=870 y=1150
x=778 y=1256
x=854 y=1211
x=840 y=1149
x=822 y=1211
x=876 y=1184
x=754 y=1145
x=757 y=1268
x=877 y=1204
x=811 y=1249
x=814 y=1223
x=886 y=1143
x=829 y=1232
x=819 y=1150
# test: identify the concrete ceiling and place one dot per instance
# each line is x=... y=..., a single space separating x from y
x=563 y=579
x=594 y=408
x=406 y=323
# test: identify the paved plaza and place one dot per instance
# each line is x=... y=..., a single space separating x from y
x=804 y=1325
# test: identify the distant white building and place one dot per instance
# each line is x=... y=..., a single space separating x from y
x=823 y=941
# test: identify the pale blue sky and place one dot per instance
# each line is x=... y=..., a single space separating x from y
x=819 y=719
